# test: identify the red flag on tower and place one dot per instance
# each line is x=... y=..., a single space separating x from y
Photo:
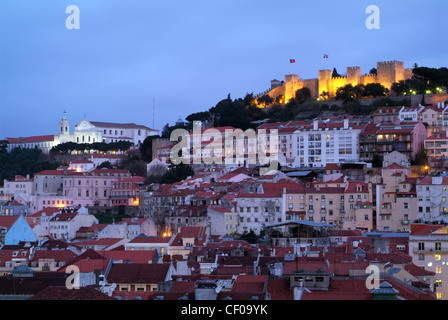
x=292 y=60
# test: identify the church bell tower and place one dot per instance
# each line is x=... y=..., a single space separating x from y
x=64 y=126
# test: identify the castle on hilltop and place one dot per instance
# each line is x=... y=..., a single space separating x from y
x=387 y=73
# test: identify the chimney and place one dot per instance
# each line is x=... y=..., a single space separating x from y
x=315 y=125
x=345 y=123
x=438 y=105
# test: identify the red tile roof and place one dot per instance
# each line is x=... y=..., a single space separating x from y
x=418 y=271
x=57 y=255
x=253 y=284
x=370 y=129
x=138 y=273
x=48 y=212
x=424 y=229
x=100 y=242
x=119 y=125
x=139 y=256
x=279 y=289
x=198 y=233
x=9 y=255
x=31 y=139
x=8 y=221
x=63 y=293
x=88 y=265
x=145 y=239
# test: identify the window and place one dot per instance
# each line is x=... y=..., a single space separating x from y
x=438 y=246
x=406 y=205
x=421 y=246
x=438 y=256
x=421 y=257
x=439 y=270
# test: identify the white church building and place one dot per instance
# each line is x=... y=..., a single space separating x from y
x=86 y=132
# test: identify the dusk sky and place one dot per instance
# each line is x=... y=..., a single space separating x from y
x=187 y=55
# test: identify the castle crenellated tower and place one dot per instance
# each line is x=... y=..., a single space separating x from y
x=389 y=72
x=353 y=75
x=291 y=86
x=324 y=81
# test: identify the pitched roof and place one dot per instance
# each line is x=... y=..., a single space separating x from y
x=138 y=273
x=8 y=221
x=119 y=125
x=424 y=229
x=66 y=216
x=57 y=255
x=138 y=256
x=31 y=139
x=198 y=233
x=63 y=293
x=417 y=271
x=88 y=265
x=49 y=211
x=142 y=238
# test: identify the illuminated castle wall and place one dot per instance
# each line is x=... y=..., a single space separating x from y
x=388 y=72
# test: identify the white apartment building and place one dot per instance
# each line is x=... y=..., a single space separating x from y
x=412 y=114
x=264 y=207
x=322 y=143
x=65 y=224
x=428 y=246
x=432 y=195
x=19 y=186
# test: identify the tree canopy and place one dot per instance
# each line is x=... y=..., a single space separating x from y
x=146 y=148
x=68 y=147
x=24 y=161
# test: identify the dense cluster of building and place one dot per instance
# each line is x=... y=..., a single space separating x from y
x=311 y=229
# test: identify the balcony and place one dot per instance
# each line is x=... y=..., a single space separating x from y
x=443 y=249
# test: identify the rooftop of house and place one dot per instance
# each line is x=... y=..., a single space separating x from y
x=63 y=293
x=137 y=273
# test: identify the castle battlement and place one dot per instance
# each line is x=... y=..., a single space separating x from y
x=387 y=73
x=291 y=78
x=339 y=78
x=388 y=63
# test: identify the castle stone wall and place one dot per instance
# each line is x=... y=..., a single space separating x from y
x=388 y=72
